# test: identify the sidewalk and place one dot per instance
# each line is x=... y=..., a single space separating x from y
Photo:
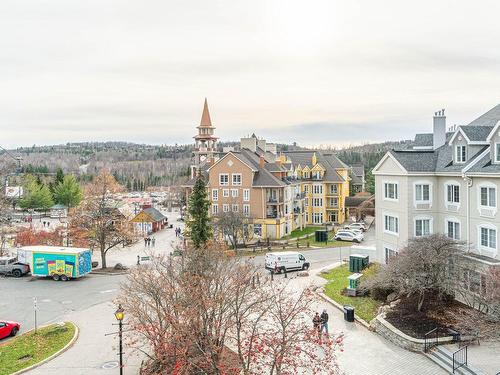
x=365 y=352
x=92 y=350
x=166 y=241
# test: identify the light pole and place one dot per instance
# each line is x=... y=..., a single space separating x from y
x=119 y=315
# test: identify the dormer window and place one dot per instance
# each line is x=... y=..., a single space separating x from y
x=497 y=152
x=460 y=154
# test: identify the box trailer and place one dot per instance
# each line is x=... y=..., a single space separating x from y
x=60 y=263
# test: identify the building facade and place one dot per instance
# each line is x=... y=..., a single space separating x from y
x=276 y=192
x=447 y=183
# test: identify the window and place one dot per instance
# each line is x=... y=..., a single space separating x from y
x=453 y=194
x=318 y=218
x=246 y=209
x=235 y=208
x=223 y=179
x=306 y=202
x=453 y=229
x=334 y=189
x=391 y=190
x=306 y=189
x=307 y=217
x=225 y=193
x=460 y=154
x=215 y=209
x=389 y=254
x=257 y=229
x=422 y=192
x=391 y=224
x=317 y=189
x=225 y=207
x=334 y=202
x=422 y=227
x=246 y=195
x=305 y=174
x=215 y=194
x=317 y=202
x=236 y=179
x=234 y=193
x=488 y=197
x=497 y=152
x=317 y=175
x=488 y=237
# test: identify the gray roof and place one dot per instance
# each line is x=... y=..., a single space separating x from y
x=154 y=214
x=416 y=161
x=358 y=170
x=477 y=133
x=329 y=161
x=490 y=118
x=427 y=139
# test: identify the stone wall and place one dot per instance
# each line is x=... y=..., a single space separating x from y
x=394 y=335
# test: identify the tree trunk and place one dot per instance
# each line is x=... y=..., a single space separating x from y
x=103 y=258
x=421 y=301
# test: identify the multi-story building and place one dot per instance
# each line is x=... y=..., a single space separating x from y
x=447 y=183
x=276 y=192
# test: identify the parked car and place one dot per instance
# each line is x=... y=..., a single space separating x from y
x=8 y=328
x=286 y=261
x=347 y=235
x=355 y=231
x=359 y=225
x=11 y=266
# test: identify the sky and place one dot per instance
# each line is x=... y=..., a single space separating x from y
x=317 y=72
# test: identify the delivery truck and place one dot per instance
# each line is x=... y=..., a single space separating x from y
x=57 y=262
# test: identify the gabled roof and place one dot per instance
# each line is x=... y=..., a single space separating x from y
x=328 y=161
x=490 y=118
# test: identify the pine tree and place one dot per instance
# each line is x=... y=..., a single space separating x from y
x=68 y=192
x=199 y=221
x=59 y=176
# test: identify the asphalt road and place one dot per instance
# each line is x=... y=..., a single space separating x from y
x=56 y=299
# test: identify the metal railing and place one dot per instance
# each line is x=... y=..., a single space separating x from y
x=460 y=358
x=431 y=339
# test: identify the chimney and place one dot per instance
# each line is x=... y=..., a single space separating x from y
x=261 y=161
x=439 y=130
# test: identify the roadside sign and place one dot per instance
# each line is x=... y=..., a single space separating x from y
x=144 y=258
x=35 y=303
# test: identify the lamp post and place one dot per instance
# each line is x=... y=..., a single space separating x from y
x=119 y=315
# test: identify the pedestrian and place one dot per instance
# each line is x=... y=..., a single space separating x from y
x=44 y=224
x=324 y=322
x=154 y=241
x=138 y=260
x=317 y=323
x=145 y=241
x=275 y=267
x=149 y=241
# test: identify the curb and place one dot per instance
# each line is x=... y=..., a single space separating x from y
x=341 y=308
x=108 y=273
x=56 y=354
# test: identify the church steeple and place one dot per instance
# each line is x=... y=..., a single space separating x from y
x=205 y=141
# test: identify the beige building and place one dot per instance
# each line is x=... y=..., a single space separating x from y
x=277 y=192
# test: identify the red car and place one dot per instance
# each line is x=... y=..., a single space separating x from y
x=8 y=328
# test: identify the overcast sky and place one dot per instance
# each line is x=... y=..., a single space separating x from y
x=315 y=72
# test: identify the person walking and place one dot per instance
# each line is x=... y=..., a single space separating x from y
x=324 y=322
x=145 y=241
x=317 y=323
x=154 y=241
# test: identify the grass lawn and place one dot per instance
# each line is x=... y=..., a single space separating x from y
x=30 y=348
x=365 y=307
x=301 y=232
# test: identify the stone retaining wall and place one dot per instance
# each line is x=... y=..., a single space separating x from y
x=394 y=335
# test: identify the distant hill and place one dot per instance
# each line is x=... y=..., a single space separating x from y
x=139 y=166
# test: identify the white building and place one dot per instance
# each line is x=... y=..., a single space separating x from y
x=449 y=182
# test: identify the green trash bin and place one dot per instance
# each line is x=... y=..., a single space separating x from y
x=320 y=235
x=358 y=263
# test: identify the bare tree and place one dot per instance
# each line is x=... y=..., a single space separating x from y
x=422 y=269
x=233 y=225
x=207 y=313
x=98 y=218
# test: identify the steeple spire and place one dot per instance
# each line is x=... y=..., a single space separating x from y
x=205 y=117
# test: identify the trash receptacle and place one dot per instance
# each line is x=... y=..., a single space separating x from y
x=348 y=313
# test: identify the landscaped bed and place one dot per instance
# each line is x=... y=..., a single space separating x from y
x=365 y=307
x=31 y=348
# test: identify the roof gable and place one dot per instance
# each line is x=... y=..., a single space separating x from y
x=389 y=164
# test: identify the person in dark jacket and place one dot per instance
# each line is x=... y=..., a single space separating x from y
x=324 y=322
x=317 y=323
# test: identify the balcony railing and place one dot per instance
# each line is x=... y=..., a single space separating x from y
x=300 y=196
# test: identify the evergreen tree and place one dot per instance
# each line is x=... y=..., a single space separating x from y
x=68 y=192
x=36 y=196
x=199 y=221
x=59 y=176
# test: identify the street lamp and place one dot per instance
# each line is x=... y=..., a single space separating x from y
x=119 y=315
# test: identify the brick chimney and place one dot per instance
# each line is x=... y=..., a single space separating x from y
x=262 y=161
x=439 y=130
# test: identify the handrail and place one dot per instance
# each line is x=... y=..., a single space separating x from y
x=460 y=358
x=428 y=344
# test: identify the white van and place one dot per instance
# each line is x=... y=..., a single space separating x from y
x=286 y=261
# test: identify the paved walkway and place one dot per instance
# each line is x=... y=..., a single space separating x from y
x=93 y=349
x=166 y=241
x=366 y=352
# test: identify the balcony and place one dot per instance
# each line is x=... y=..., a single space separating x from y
x=273 y=200
x=299 y=196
